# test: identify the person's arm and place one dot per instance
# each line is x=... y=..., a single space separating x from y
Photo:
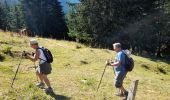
x=35 y=57
x=116 y=63
x=119 y=60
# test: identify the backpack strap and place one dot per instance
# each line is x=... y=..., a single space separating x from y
x=124 y=53
x=126 y=56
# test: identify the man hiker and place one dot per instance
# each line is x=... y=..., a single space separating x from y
x=43 y=69
x=119 y=70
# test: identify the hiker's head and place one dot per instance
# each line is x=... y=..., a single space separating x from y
x=34 y=43
x=117 y=47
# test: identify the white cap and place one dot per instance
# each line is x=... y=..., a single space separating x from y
x=33 y=41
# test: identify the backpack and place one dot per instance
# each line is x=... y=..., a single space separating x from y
x=48 y=55
x=129 y=63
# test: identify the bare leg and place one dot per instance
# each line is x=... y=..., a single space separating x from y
x=122 y=89
x=40 y=76
x=46 y=80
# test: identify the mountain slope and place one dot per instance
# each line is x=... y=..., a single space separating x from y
x=76 y=72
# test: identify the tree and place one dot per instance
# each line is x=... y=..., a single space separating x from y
x=105 y=20
x=45 y=18
x=2 y=17
x=19 y=20
x=142 y=25
x=12 y=17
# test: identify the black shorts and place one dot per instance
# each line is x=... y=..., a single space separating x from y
x=119 y=79
x=44 y=68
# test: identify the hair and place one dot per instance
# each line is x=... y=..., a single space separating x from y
x=117 y=45
x=35 y=44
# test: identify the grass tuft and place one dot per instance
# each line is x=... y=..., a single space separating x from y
x=145 y=66
x=78 y=46
x=84 y=62
x=161 y=70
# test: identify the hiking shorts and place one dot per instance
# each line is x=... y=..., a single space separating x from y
x=44 y=68
x=119 y=79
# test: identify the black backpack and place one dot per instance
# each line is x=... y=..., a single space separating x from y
x=129 y=63
x=48 y=55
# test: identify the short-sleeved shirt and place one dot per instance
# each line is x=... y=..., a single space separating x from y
x=42 y=58
x=120 y=57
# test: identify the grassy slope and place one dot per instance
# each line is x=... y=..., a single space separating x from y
x=71 y=65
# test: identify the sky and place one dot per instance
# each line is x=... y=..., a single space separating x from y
x=65 y=7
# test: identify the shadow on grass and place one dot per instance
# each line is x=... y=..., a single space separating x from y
x=161 y=70
x=59 y=97
x=145 y=66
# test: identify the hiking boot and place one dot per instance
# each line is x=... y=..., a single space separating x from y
x=40 y=85
x=126 y=94
x=49 y=90
x=119 y=94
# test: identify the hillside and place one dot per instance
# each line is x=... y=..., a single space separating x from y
x=73 y=63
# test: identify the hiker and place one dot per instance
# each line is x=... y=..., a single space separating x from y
x=43 y=69
x=119 y=70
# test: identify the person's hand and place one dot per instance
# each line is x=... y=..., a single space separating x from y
x=111 y=61
x=33 y=54
x=25 y=53
x=108 y=62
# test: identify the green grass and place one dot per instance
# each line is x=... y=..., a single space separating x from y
x=74 y=62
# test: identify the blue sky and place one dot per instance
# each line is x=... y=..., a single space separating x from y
x=65 y=7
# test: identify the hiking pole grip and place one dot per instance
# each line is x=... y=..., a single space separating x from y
x=101 y=77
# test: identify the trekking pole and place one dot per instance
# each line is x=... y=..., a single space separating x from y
x=101 y=78
x=35 y=71
x=16 y=72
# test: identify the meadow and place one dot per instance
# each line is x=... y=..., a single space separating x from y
x=76 y=72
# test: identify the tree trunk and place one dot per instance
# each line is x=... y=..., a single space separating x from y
x=159 y=45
